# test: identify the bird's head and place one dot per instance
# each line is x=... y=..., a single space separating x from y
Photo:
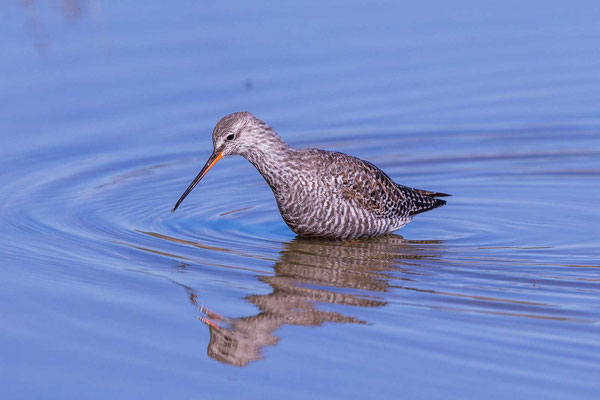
x=237 y=133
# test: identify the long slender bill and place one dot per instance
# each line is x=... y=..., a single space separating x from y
x=212 y=160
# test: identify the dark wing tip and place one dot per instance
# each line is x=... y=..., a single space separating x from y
x=431 y=194
x=427 y=207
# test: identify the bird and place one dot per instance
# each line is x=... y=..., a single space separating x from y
x=319 y=193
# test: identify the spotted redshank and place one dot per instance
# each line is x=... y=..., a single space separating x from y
x=319 y=193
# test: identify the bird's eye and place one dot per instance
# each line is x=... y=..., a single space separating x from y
x=231 y=137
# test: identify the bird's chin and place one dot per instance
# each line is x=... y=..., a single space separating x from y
x=226 y=152
x=235 y=152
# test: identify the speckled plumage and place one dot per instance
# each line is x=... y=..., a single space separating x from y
x=319 y=193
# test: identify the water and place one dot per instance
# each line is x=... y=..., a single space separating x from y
x=106 y=114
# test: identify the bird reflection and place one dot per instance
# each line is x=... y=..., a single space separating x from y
x=310 y=272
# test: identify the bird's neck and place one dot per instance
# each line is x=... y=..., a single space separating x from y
x=272 y=161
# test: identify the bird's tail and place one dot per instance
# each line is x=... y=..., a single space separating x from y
x=426 y=200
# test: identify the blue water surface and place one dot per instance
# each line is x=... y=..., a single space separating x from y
x=106 y=110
